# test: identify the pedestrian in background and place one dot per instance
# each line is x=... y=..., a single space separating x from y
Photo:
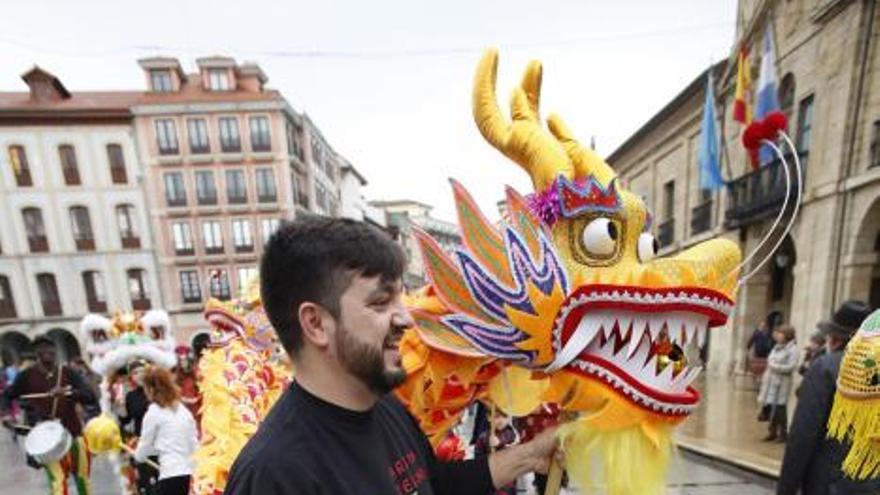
x=812 y=461
x=168 y=430
x=777 y=381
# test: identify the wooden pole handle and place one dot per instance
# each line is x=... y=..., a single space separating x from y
x=131 y=451
x=554 y=478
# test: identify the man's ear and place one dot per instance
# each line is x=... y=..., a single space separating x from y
x=314 y=322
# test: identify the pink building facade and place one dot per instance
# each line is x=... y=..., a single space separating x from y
x=222 y=155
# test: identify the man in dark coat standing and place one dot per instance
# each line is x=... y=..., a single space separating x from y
x=812 y=461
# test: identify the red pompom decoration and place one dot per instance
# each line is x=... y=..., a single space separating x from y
x=776 y=121
x=753 y=134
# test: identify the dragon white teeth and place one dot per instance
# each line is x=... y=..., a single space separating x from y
x=655 y=326
x=701 y=336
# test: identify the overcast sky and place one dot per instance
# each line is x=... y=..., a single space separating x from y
x=388 y=82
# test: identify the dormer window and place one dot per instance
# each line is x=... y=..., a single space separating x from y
x=218 y=80
x=160 y=80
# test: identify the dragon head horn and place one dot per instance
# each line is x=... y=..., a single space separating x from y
x=543 y=155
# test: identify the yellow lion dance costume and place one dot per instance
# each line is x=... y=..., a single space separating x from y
x=564 y=304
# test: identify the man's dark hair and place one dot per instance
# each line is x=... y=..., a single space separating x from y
x=314 y=259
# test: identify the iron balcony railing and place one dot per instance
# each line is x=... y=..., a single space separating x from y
x=701 y=218
x=760 y=194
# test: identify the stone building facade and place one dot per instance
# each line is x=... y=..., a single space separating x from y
x=75 y=237
x=828 y=73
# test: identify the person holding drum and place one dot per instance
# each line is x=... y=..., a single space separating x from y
x=168 y=430
x=49 y=392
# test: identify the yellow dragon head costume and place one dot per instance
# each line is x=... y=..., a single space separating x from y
x=564 y=303
x=855 y=416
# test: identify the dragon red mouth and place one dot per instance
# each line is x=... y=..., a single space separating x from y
x=614 y=333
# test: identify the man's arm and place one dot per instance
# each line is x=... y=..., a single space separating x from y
x=82 y=392
x=807 y=427
x=149 y=430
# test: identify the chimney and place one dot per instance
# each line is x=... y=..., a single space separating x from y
x=44 y=86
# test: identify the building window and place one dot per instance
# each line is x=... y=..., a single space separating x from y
x=236 y=187
x=266 y=192
x=321 y=159
x=49 y=294
x=245 y=276
x=268 y=226
x=875 y=145
x=219 y=284
x=198 y=136
x=20 y=168
x=166 y=137
x=666 y=229
x=95 y=296
x=35 y=229
x=175 y=193
x=230 y=140
x=117 y=164
x=182 y=235
x=805 y=124
x=137 y=289
x=324 y=200
x=786 y=95
x=206 y=190
x=261 y=138
x=241 y=236
x=190 y=290
x=300 y=189
x=212 y=237
x=218 y=80
x=127 y=231
x=82 y=228
x=68 y=165
x=7 y=303
x=160 y=81
x=293 y=144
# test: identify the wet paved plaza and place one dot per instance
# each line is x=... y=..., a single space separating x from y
x=691 y=475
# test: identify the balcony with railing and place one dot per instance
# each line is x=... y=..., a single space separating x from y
x=38 y=244
x=760 y=194
x=96 y=306
x=701 y=218
x=51 y=307
x=7 y=309
x=141 y=304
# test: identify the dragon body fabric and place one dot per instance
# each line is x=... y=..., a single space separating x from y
x=240 y=378
x=564 y=303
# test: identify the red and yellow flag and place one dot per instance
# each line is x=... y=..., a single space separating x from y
x=742 y=107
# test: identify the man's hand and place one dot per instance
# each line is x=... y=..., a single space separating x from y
x=543 y=447
x=533 y=456
x=59 y=391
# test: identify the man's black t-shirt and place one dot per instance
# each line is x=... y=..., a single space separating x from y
x=308 y=446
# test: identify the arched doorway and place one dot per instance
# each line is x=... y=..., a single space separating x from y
x=14 y=346
x=862 y=270
x=780 y=269
x=65 y=343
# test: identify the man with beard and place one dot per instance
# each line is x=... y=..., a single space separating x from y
x=332 y=290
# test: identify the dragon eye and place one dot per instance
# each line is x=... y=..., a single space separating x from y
x=600 y=237
x=648 y=247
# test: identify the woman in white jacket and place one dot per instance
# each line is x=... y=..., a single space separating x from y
x=777 y=381
x=169 y=431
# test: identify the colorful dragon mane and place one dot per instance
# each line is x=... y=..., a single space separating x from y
x=240 y=378
x=564 y=303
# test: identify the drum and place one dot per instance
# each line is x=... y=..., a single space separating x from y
x=48 y=441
